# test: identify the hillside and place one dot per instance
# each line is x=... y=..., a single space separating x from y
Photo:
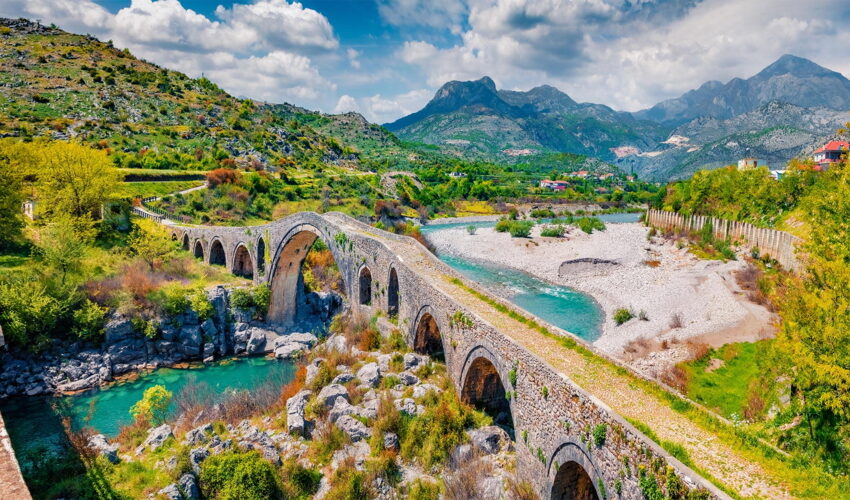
x=62 y=85
x=782 y=112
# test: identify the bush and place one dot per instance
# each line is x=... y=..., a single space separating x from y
x=88 y=320
x=599 y=435
x=153 y=407
x=542 y=213
x=471 y=229
x=28 y=314
x=553 y=231
x=255 y=297
x=223 y=176
x=239 y=476
x=521 y=229
x=503 y=225
x=589 y=224
x=622 y=315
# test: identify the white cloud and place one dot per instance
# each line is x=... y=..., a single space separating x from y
x=259 y=50
x=353 y=58
x=630 y=55
x=345 y=104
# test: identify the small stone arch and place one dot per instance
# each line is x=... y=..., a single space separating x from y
x=364 y=286
x=173 y=236
x=217 y=256
x=426 y=335
x=261 y=255
x=392 y=293
x=242 y=263
x=571 y=474
x=186 y=242
x=482 y=386
x=199 y=249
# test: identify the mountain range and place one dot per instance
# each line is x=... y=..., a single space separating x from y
x=777 y=114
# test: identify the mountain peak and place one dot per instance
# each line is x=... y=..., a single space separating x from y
x=487 y=82
x=794 y=65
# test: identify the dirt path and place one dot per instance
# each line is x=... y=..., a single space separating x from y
x=619 y=391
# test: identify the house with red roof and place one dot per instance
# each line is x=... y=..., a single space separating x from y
x=829 y=153
x=554 y=185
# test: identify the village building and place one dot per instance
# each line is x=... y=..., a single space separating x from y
x=554 y=185
x=829 y=153
x=747 y=163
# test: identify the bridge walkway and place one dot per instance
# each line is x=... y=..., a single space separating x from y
x=620 y=390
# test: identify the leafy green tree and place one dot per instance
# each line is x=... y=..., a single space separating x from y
x=63 y=244
x=153 y=406
x=11 y=196
x=815 y=334
x=151 y=242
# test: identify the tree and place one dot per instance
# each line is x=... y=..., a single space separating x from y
x=815 y=335
x=11 y=197
x=63 y=244
x=150 y=241
x=71 y=178
x=153 y=406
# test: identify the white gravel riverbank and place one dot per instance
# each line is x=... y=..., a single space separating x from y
x=703 y=293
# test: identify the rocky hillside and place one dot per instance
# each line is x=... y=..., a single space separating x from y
x=784 y=111
x=62 y=85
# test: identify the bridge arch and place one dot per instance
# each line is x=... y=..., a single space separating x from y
x=426 y=334
x=571 y=474
x=261 y=255
x=364 y=286
x=392 y=293
x=482 y=386
x=284 y=274
x=243 y=265
x=217 y=257
x=185 y=243
x=199 y=249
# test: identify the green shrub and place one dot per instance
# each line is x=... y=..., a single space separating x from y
x=28 y=314
x=240 y=298
x=589 y=224
x=503 y=225
x=542 y=213
x=299 y=481
x=553 y=231
x=255 y=297
x=599 y=434
x=201 y=304
x=622 y=315
x=239 y=476
x=471 y=229
x=89 y=320
x=423 y=490
x=153 y=407
x=521 y=229
x=171 y=299
x=348 y=483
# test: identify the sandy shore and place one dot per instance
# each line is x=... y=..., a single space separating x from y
x=703 y=293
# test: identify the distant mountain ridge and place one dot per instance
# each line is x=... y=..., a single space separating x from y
x=774 y=114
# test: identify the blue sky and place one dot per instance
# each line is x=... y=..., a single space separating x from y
x=386 y=58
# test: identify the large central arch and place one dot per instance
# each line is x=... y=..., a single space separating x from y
x=483 y=388
x=285 y=272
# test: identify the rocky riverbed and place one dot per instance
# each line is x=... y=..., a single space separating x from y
x=184 y=338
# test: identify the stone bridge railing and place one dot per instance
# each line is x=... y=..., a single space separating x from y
x=779 y=245
x=393 y=274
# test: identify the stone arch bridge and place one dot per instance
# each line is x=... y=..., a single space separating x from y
x=552 y=417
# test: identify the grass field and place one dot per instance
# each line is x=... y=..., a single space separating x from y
x=725 y=389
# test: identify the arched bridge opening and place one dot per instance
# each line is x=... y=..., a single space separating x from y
x=483 y=389
x=199 y=250
x=242 y=263
x=217 y=257
x=261 y=255
x=186 y=242
x=392 y=294
x=572 y=482
x=290 y=282
x=365 y=286
x=427 y=338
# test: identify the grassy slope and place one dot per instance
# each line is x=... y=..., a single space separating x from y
x=724 y=389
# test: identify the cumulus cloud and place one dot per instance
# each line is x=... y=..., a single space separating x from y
x=629 y=54
x=380 y=109
x=345 y=104
x=260 y=50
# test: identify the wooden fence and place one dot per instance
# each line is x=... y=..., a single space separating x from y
x=778 y=244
